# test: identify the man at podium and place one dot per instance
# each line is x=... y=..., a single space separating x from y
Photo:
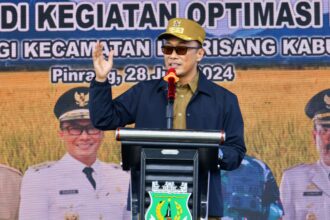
x=199 y=105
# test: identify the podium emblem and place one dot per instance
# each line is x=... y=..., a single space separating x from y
x=311 y=216
x=71 y=216
x=168 y=202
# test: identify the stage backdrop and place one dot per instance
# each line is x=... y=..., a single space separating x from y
x=273 y=54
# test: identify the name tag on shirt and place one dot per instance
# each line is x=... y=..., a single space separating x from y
x=319 y=193
x=69 y=192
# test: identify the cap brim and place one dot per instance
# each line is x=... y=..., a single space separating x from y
x=322 y=121
x=166 y=35
x=75 y=115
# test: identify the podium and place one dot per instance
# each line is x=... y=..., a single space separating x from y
x=170 y=171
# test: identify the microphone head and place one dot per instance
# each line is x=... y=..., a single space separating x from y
x=170 y=70
x=171 y=73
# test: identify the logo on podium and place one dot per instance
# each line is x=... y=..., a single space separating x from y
x=168 y=202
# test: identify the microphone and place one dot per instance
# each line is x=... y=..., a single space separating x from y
x=171 y=78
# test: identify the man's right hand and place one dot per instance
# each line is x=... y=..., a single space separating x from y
x=101 y=66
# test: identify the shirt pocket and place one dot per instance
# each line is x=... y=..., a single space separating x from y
x=112 y=204
x=68 y=205
x=311 y=206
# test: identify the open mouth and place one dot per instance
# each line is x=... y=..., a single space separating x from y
x=174 y=65
x=84 y=146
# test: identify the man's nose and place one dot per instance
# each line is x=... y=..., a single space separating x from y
x=173 y=54
x=84 y=134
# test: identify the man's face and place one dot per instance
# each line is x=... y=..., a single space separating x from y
x=321 y=135
x=185 y=65
x=82 y=140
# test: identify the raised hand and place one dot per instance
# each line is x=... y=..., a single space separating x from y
x=102 y=66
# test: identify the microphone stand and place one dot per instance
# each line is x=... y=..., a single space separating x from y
x=170 y=103
x=169 y=114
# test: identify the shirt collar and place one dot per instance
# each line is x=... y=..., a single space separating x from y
x=200 y=83
x=193 y=84
x=76 y=165
x=324 y=166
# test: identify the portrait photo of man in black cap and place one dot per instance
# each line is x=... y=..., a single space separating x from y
x=78 y=186
x=305 y=188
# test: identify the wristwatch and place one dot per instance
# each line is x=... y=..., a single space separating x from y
x=220 y=156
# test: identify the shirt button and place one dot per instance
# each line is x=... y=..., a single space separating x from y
x=188 y=114
x=181 y=96
x=179 y=114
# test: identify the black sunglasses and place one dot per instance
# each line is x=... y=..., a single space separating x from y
x=179 y=50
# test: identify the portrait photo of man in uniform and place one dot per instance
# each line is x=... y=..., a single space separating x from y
x=78 y=186
x=305 y=188
x=251 y=192
x=200 y=103
x=10 y=183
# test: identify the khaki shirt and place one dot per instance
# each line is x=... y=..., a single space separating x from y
x=183 y=95
x=10 y=183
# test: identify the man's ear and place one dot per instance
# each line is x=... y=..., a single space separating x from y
x=60 y=133
x=200 y=54
x=314 y=135
x=102 y=134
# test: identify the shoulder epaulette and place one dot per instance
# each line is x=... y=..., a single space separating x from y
x=296 y=166
x=42 y=165
x=116 y=166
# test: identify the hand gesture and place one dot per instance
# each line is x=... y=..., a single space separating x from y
x=101 y=66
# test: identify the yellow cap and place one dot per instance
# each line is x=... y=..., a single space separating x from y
x=184 y=29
